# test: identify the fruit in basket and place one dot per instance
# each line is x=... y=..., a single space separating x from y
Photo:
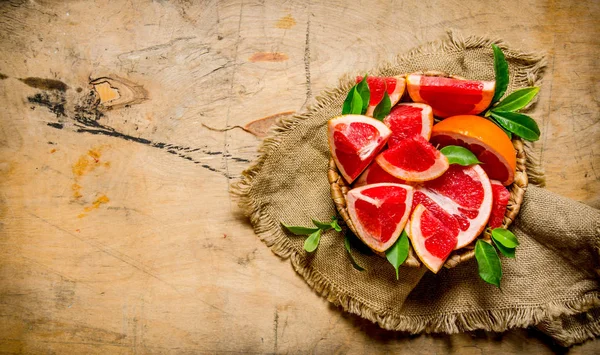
x=379 y=212
x=354 y=140
x=461 y=199
x=431 y=240
x=378 y=85
x=500 y=196
x=413 y=159
x=409 y=120
x=451 y=96
x=375 y=174
x=482 y=137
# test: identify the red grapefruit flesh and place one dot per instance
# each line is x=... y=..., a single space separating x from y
x=448 y=96
x=377 y=85
x=413 y=159
x=375 y=174
x=430 y=238
x=461 y=199
x=379 y=213
x=500 y=201
x=482 y=137
x=409 y=120
x=354 y=140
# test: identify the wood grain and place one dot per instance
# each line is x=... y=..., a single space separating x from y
x=119 y=233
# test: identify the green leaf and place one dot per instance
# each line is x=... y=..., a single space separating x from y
x=490 y=268
x=335 y=225
x=348 y=248
x=508 y=133
x=384 y=107
x=519 y=124
x=322 y=226
x=398 y=253
x=300 y=230
x=517 y=99
x=505 y=237
x=459 y=155
x=353 y=103
x=312 y=242
x=508 y=252
x=501 y=70
x=365 y=94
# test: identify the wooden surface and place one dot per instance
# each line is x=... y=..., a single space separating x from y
x=118 y=231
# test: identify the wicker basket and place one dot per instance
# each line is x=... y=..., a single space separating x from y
x=339 y=189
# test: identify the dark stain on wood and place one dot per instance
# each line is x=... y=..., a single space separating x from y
x=53 y=102
x=57 y=125
x=45 y=84
x=261 y=126
x=2 y=76
x=268 y=57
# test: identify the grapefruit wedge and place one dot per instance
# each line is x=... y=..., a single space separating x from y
x=482 y=137
x=354 y=140
x=430 y=238
x=461 y=198
x=408 y=120
x=500 y=198
x=449 y=96
x=413 y=159
x=379 y=212
x=375 y=174
x=377 y=85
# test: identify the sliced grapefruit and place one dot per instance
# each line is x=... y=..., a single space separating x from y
x=413 y=159
x=354 y=140
x=430 y=238
x=450 y=96
x=501 y=197
x=375 y=174
x=461 y=199
x=379 y=213
x=409 y=120
x=482 y=137
x=377 y=85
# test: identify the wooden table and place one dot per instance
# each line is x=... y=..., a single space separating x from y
x=119 y=234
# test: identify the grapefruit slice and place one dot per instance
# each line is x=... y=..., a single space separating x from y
x=375 y=174
x=377 y=85
x=379 y=212
x=461 y=199
x=413 y=159
x=482 y=137
x=449 y=96
x=430 y=238
x=500 y=201
x=409 y=120
x=354 y=140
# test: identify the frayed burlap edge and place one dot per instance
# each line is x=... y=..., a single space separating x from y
x=271 y=234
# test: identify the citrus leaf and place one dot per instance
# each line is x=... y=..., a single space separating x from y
x=501 y=70
x=335 y=225
x=517 y=99
x=348 y=248
x=312 y=242
x=383 y=108
x=459 y=155
x=300 y=230
x=322 y=226
x=504 y=237
x=488 y=262
x=365 y=93
x=353 y=103
x=398 y=253
x=519 y=124
x=508 y=133
x=508 y=252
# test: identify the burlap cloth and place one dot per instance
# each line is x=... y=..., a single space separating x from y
x=552 y=284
